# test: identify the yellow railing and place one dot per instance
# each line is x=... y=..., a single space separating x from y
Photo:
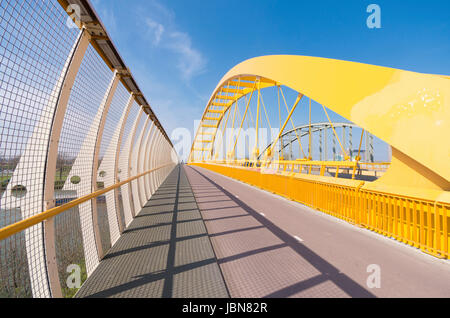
x=418 y=222
x=17 y=227
x=335 y=168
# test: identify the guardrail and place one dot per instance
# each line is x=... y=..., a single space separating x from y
x=17 y=227
x=416 y=221
x=73 y=120
x=352 y=169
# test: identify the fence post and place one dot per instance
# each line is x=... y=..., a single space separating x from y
x=135 y=168
x=125 y=171
x=43 y=143
x=116 y=224
x=88 y=154
x=144 y=162
x=107 y=103
x=52 y=155
x=141 y=166
x=150 y=161
x=155 y=162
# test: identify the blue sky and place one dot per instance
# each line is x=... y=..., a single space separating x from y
x=178 y=50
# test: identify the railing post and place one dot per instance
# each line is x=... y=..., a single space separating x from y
x=137 y=153
x=124 y=174
x=154 y=162
x=162 y=161
x=158 y=161
x=149 y=162
x=107 y=103
x=151 y=155
x=141 y=167
x=43 y=143
x=111 y=157
x=144 y=162
x=88 y=180
x=52 y=155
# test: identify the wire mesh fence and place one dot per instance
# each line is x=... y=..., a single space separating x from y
x=34 y=46
x=94 y=132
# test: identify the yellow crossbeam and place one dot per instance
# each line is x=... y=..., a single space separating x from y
x=215 y=111
x=234 y=91
x=224 y=97
x=209 y=126
x=221 y=104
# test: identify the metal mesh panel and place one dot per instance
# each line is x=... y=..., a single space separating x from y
x=82 y=114
x=116 y=110
x=123 y=157
x=138 y=131
x=129 y=124
x=140 y=166
x=14 y=277
x=133 y=163
x=106 y=205
x=35 y=44
x=125 y=164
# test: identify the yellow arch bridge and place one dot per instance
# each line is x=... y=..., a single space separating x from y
x=95 y=203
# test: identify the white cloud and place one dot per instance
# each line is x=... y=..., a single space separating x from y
x=107 y=16
x=156 y=29
x=166 y=36
x=191 y=62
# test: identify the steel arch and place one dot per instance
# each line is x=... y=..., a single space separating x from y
x=404 y=100
x=315 y=127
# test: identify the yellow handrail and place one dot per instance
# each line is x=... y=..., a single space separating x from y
x=17 y=227
x=399 y=214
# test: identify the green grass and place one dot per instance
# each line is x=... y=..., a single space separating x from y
x=70 y=292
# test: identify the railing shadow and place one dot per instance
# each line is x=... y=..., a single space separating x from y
x=141 y=285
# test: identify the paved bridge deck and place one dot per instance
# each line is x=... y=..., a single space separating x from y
x=254 y=244
x=164 y=252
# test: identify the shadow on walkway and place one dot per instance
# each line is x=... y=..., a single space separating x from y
x=165 y=252
x=270 y=257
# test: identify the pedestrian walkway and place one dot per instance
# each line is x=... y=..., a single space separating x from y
x=206 y=235
x=165 y=252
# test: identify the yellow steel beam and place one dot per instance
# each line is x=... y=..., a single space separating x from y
x=215 y=111
x=220 y=104
x=270 y=150
x=209 y=126
x=211 y=118
x=241 y=84
x=234 y=91
x=224 y=97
